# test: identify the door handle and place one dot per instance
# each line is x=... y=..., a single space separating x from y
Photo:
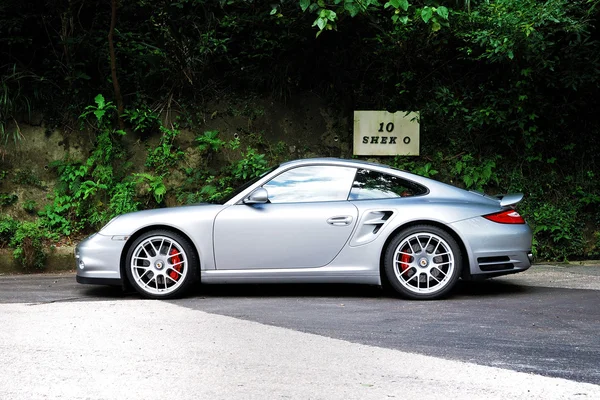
x=340 y=220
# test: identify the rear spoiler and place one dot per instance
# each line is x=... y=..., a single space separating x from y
x=509 y=199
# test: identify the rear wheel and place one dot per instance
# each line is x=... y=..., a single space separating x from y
x=161 y=264
x=423 y=262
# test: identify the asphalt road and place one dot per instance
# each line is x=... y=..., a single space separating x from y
x=545 y=321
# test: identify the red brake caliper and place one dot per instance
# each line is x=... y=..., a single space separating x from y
x=175 y=260
x=405 y=259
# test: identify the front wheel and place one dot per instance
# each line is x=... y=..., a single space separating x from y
x=161 y=264
x=423 y=262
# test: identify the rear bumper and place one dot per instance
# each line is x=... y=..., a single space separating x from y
x=495 y=249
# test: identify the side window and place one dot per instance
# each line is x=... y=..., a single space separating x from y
x=376 y=185
x=311 y=183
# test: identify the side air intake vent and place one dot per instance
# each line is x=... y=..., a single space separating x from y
x=495 y=263
x=370 y=225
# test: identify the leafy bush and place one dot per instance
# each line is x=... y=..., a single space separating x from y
x=23 y=177
x=251 y=165
x=156 y=185
x=596 y=245
x=165 y=155
x=498 y=83
x=30 y=206
x=123 y=199
x=142 y=119
x=8 y=227
x=7 y=199
x=88 y=193
x=473 y=174
x=13 y=101
x=209 y=142
x=28 y=244
x=557 y=230
x=424 y=169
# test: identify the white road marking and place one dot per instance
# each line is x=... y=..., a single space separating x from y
x=136 y=349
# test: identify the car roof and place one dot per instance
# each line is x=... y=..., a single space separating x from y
x=334 y=161
x=435 y=188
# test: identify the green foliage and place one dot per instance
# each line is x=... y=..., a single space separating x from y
x=28 y=244
x=13 y=101
x=586 y=190
x=249 y=110
x=90 y=193
x=505 y=29
x=251 y=165
x=234 y=144
x=142 y=119
x=216 y=184
x=212 y=191
x=278 y=152
x=475 y=174
x=436 y=16
x=7 y=199
x=102 y=110
x=30 y=206
x=424 y=169
x=209 y=142
x=165 y=155
x=8 y=227
x=123 y=198
x=557 y=231
x=402 y=12
x=24 y=177
x=508 y=91
x=156 y=185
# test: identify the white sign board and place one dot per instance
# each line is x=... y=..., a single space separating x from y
x=380 y=133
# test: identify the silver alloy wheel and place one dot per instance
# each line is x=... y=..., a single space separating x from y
x=159 y=265
x=424 y=263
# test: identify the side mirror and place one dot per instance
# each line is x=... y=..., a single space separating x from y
x=259 y=196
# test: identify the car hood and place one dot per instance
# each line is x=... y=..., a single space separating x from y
x=176 y=217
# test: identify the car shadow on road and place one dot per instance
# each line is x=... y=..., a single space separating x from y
x=107 y=293
x=491 y=287
x=482 y=289
x=464 y=289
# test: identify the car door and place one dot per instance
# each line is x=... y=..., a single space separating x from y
x=305 y=224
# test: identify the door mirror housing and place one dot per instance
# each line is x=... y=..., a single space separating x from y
x=258 y=196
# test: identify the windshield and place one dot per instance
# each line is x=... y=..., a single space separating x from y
x=244 y=186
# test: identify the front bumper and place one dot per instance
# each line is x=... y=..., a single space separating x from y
x=98 y=259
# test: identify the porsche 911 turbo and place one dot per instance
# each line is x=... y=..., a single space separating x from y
x=316 y=221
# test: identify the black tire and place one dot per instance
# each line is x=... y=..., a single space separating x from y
x=423 y=262
x=161 y=264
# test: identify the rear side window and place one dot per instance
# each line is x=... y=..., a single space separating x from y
x=370 y=185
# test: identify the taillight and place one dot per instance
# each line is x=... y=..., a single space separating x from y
x=506 y=217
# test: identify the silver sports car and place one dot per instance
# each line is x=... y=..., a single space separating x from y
x=316 y=220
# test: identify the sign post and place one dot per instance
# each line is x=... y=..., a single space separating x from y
x=380 y=133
